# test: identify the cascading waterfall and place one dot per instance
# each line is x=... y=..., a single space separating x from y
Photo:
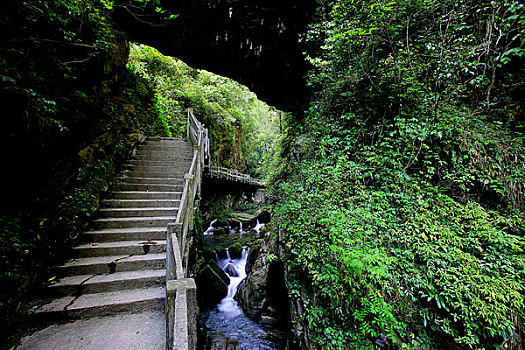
x=227 y=319
x=210 y=229
x=258 y=227
x=236 y=270
x=240 y=229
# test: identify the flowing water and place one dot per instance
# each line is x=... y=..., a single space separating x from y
x=258 y=227
x=228 y=320
x=210 y=229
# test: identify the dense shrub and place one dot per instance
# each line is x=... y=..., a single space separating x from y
x=402 y=211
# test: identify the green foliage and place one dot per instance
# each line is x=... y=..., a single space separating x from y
x=402 y=208
x=398 y=259
x=13 y=247
x=74 y=114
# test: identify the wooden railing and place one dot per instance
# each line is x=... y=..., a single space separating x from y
x=215 y=171
x=181 y=300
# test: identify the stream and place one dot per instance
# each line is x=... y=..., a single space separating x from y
x=228 y=327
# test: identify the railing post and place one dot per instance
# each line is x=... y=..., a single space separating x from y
x=188 y=125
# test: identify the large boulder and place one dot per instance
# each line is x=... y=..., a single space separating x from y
x=263 y=215
x=235 y=250
x=245 y=218
x=220 y=272
x=219 y=341
x=262 y=295
x=209 y=255
x=212 y=287
x=252 y=257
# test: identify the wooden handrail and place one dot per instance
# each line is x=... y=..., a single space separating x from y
x=180 y=290
x=232 y=175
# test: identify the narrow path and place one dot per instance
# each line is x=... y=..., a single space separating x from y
x=114 y=288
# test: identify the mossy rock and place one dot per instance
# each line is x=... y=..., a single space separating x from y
x=235 y=250
x=245 y=218
x=221 y=253
x=264 y=216
x=220 y=273
x=211 y=287
x=221 y=231
x=252 y=257
x=222 y=222
x=209 y=255
x=234 y=224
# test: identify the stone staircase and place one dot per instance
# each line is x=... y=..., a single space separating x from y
x=122 y=268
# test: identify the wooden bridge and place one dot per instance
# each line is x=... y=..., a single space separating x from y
x=217 y=172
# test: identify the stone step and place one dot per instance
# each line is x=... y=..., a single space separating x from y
x=140 y=203
x=107 y=303
x=136 y=212
x=152 y=180
x=111 y=264
x=120 y=248
x=181 y=152
x=127 y=234
x=87 y=284
x=183 y=149
x=146 y=195
x=150 y=187
x=154 y=157
x=147 y=221
x=160 y=162
x=166 y=143
x=155 y=174
x=166 y=168
x=163 y=139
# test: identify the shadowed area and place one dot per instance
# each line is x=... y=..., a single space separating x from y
x=252 y=41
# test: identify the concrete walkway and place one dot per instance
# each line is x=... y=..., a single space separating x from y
x=142 y=331
x=113 y=290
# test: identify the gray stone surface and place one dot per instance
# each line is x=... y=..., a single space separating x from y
x=125 y=234
x=142 y=331
x=140 y=203
x=146 y=195
x=115 y=288
x=155 y=221
x=137 y=212
x=120 y=248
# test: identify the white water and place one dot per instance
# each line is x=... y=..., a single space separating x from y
x=258 y=227
x=228 y=319
x=210 y=229
x=236 y=270
x=240 y=229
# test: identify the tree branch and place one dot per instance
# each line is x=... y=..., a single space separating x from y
x=61 y=42
x=156 y=25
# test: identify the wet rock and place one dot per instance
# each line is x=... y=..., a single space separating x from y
x=221 y=253
x=209 y=255
x=262 y=295
x=222 y=222
x=235 y=250
x=221 y=231
x=211 y=286
x=268 y=320
x=213 y=265
x=230 y=270
x=263 y=215
x=252 y=257
x=218 y=341
x=245 y=218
